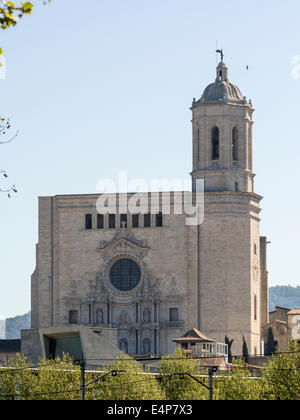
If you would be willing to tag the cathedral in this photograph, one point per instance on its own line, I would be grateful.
(152, 276)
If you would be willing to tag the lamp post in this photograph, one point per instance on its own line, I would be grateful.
(83, 385)
(211, 372)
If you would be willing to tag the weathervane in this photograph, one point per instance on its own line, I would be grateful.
(221, 52)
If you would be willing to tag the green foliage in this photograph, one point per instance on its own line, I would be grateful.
(229, 344)
(131, 383)
(56, 380)
(281, 379)
(245, 351)
(11, 11)
(53, 380)
(271, 343)
(237, 384)
(61, 380)
(186, 388)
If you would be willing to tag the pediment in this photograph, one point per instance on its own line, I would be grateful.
(124, 240)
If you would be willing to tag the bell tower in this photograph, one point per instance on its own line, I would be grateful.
(229, 274)
(222, 136)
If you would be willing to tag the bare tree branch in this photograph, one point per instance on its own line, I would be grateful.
(4, 127)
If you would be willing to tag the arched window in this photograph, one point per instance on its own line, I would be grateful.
(215, 142)
(235, 144)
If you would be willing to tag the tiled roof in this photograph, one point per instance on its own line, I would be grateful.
(295, 311)
(194, 335)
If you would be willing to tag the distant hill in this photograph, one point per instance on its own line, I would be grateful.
(284, 296)
(13, 326)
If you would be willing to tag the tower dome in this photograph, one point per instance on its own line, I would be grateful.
(222, 90)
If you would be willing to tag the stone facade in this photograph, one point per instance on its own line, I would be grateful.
(94, 346)
(294, 324)
(285, 325)
(212, 276)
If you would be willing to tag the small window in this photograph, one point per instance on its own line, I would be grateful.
(235, 145)
(255, 308)
(73, 317)
(236, 186)
(215, 143)
(159, 220)
(147, 220)
(184, 346)
(88, 221)
(100, 221)
(173, 314)
(108, 313)
(255, 249)
(135, 220)
(112, 221)
(136, 341)
(90, 314)
(123, 221)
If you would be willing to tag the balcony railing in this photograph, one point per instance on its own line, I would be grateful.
(171, 324)
(154, 324)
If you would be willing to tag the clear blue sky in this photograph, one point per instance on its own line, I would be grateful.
(101, 86)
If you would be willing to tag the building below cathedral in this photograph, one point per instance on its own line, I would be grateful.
(153, 276)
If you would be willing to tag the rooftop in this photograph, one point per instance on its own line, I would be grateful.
(222, 90)
(194, 335)
(295, 311)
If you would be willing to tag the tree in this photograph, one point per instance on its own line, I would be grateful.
(182, 388)
(245, 351)
(238, 384)
(130, 383)
(60, 380)
(281, 378)
(229, 344)
(11, 12)
(271, 343)
(52, 380)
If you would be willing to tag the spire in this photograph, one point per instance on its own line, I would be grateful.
(222, 70)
